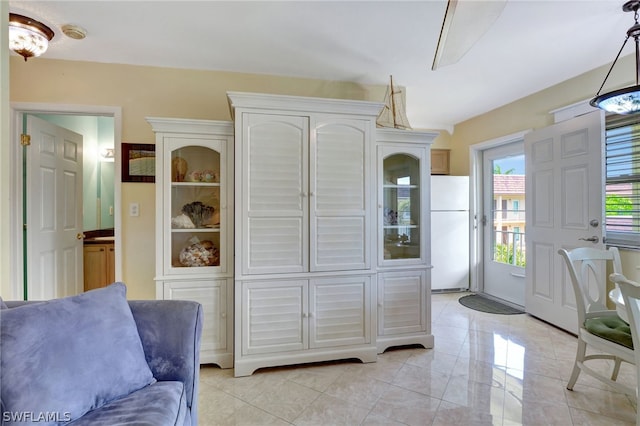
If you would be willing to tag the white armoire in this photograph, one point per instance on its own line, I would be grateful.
(194, 225)
(305, 268)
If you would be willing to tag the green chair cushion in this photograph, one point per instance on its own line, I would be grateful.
(611, 328)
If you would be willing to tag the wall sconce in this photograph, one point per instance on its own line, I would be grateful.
(28, 37)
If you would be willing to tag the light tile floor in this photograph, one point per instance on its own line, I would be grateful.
(484, 369)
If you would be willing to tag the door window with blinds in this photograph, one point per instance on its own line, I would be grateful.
(622, 191)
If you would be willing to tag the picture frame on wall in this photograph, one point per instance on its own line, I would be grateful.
(138, 162)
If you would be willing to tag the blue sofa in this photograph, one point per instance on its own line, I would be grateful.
(98, 359)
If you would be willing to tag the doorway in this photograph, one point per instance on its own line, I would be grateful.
(503, 219)
(490, 240)
(103, 166)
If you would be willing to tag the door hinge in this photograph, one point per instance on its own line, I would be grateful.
(25, 140)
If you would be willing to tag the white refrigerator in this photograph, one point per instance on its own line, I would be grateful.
(450, 232)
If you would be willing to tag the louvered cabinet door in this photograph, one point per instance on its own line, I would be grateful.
(402, 298)
(275, 193)
(217, 308)
(339, 193)
(339, 311)
(274, 316)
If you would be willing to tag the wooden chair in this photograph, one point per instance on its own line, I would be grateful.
(599, 328)
(631, 295)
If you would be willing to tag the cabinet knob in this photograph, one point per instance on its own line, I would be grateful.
(223, 315)
(304, 315)
(311, 194)
(303, 194)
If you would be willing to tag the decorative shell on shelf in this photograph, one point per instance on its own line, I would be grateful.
(198, 212)
(200, 253)
(390, 217)
(182, 221)
(209, 176)
(202, 176)
(194, 176)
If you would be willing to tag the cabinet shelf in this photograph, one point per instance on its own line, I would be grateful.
(187, 230)
(394, 186)
(189, 184)
(400, 226)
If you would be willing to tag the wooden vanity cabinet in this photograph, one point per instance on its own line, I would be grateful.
(99, 264)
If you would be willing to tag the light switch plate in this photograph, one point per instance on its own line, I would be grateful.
(134, 209)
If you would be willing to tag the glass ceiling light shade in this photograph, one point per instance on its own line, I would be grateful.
(28, 37)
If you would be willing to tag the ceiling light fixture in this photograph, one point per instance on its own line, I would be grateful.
(28, 37)
(626, 100)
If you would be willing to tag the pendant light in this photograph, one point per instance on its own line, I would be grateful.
(28, 37)
(626, 100)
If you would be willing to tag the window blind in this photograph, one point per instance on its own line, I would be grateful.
(622, 189)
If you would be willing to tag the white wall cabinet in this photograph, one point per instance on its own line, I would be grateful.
(194, 224)
(404, 258)
(305, 234)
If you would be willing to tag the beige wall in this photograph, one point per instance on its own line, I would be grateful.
(164, 92)
(532, 112)
(158, 92)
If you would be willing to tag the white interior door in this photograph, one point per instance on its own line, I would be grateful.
(504, 255)
(564, 187)
(54, 211)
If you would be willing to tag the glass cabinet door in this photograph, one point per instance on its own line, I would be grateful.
(401, 207)
(195, 207)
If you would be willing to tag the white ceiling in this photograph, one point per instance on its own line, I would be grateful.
(531, 46)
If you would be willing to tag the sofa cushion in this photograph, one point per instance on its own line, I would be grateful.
(70, 355)
(2, 304)
(162, 403)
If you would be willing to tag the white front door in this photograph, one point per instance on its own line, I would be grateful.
(54, 245)
(565, 210)
(504, 222)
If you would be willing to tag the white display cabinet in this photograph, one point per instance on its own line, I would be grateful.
(403, 245)
(194, 225)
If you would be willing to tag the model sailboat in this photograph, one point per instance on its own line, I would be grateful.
(393, 113)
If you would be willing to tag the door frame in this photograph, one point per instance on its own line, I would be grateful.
(476, 242)
(16, 243)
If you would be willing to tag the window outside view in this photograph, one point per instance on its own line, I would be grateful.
(622, 191)
(509, 211)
